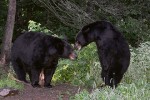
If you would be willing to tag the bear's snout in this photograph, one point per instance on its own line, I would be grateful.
(73, 56)
(77, 46)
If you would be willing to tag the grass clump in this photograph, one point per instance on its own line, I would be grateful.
(7, 81)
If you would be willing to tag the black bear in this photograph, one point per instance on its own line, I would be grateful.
(33, 52)
(113, 50)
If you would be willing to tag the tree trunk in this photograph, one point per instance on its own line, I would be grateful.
(7, 39)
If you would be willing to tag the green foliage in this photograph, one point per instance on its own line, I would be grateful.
(123, 92)
(134, 30)
(139, 65)
(64, 31)
(84, 71)
(135, 84)
(6, 80)
(34, 26)
(61, 31)
(131, 16)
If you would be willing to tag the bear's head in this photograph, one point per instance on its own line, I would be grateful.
(90, 33)
(66, 50)
(60, 48)
(83, 37)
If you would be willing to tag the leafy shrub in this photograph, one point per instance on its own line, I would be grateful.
(134, 30)
(123, 92)
(67, 32)
(61, 31)
(135, 84)
(84, 71)
(34, 26)
(139, 65)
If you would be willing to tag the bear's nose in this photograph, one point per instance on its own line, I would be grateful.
(73, 56)
(77, 46)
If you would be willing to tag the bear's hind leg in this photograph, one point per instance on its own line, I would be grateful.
(20, 72)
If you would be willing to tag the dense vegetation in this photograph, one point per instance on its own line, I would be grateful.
(135, 84)
(65, 18)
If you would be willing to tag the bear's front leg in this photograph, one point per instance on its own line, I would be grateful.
(34, 77)
(48, 76)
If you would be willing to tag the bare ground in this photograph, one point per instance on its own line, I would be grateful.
(57, 92)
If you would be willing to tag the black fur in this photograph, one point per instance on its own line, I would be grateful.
(113, 50)
(32, 52)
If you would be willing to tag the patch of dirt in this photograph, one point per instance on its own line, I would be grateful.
(57, 92)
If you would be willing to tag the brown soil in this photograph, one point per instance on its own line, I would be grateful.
(58, 92)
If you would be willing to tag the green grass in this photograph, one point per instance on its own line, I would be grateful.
(132, 91)
(7, 82)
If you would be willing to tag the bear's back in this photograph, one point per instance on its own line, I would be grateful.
(28, 37)
(24, 45)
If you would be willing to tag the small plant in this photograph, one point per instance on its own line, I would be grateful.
(7, 82)
(122, 92)
(34, 26)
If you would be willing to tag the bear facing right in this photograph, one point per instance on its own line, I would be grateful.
(34, 53)
(113, 49)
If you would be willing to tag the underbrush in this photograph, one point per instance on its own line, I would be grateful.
(85, 71)
(7, 81)
(139, 91)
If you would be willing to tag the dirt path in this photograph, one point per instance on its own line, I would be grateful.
(58, 92)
